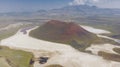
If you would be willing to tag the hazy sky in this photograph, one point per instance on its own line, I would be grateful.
(33, 5)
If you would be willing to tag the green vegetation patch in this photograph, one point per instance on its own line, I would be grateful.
(3, 62)
(105, 40)
(11, 31)
(16, 58)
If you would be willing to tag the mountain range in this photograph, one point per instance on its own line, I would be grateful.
(70, 10)
(86, 10)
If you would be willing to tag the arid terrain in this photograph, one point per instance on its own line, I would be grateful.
(71, 36)
(61, 52)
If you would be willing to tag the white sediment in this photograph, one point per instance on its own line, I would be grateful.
(95, 30)
(59, 53)
(95, 48)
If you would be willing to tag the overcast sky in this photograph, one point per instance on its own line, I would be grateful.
(33, 5)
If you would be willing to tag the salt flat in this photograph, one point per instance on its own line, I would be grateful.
(95, 48)
(62, 54)
(95, 30)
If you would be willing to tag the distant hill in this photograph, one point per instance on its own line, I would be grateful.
(64, 32)
(86, 10)
(70, 10)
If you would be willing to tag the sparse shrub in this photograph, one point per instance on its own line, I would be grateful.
(54, 65)
(109, 56)
(116, 50)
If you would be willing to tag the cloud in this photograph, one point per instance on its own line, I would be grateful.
(98, 3)
(82, 2)
(95, 0)
(77, 2)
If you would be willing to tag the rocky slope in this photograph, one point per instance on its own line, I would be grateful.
(65, 32)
